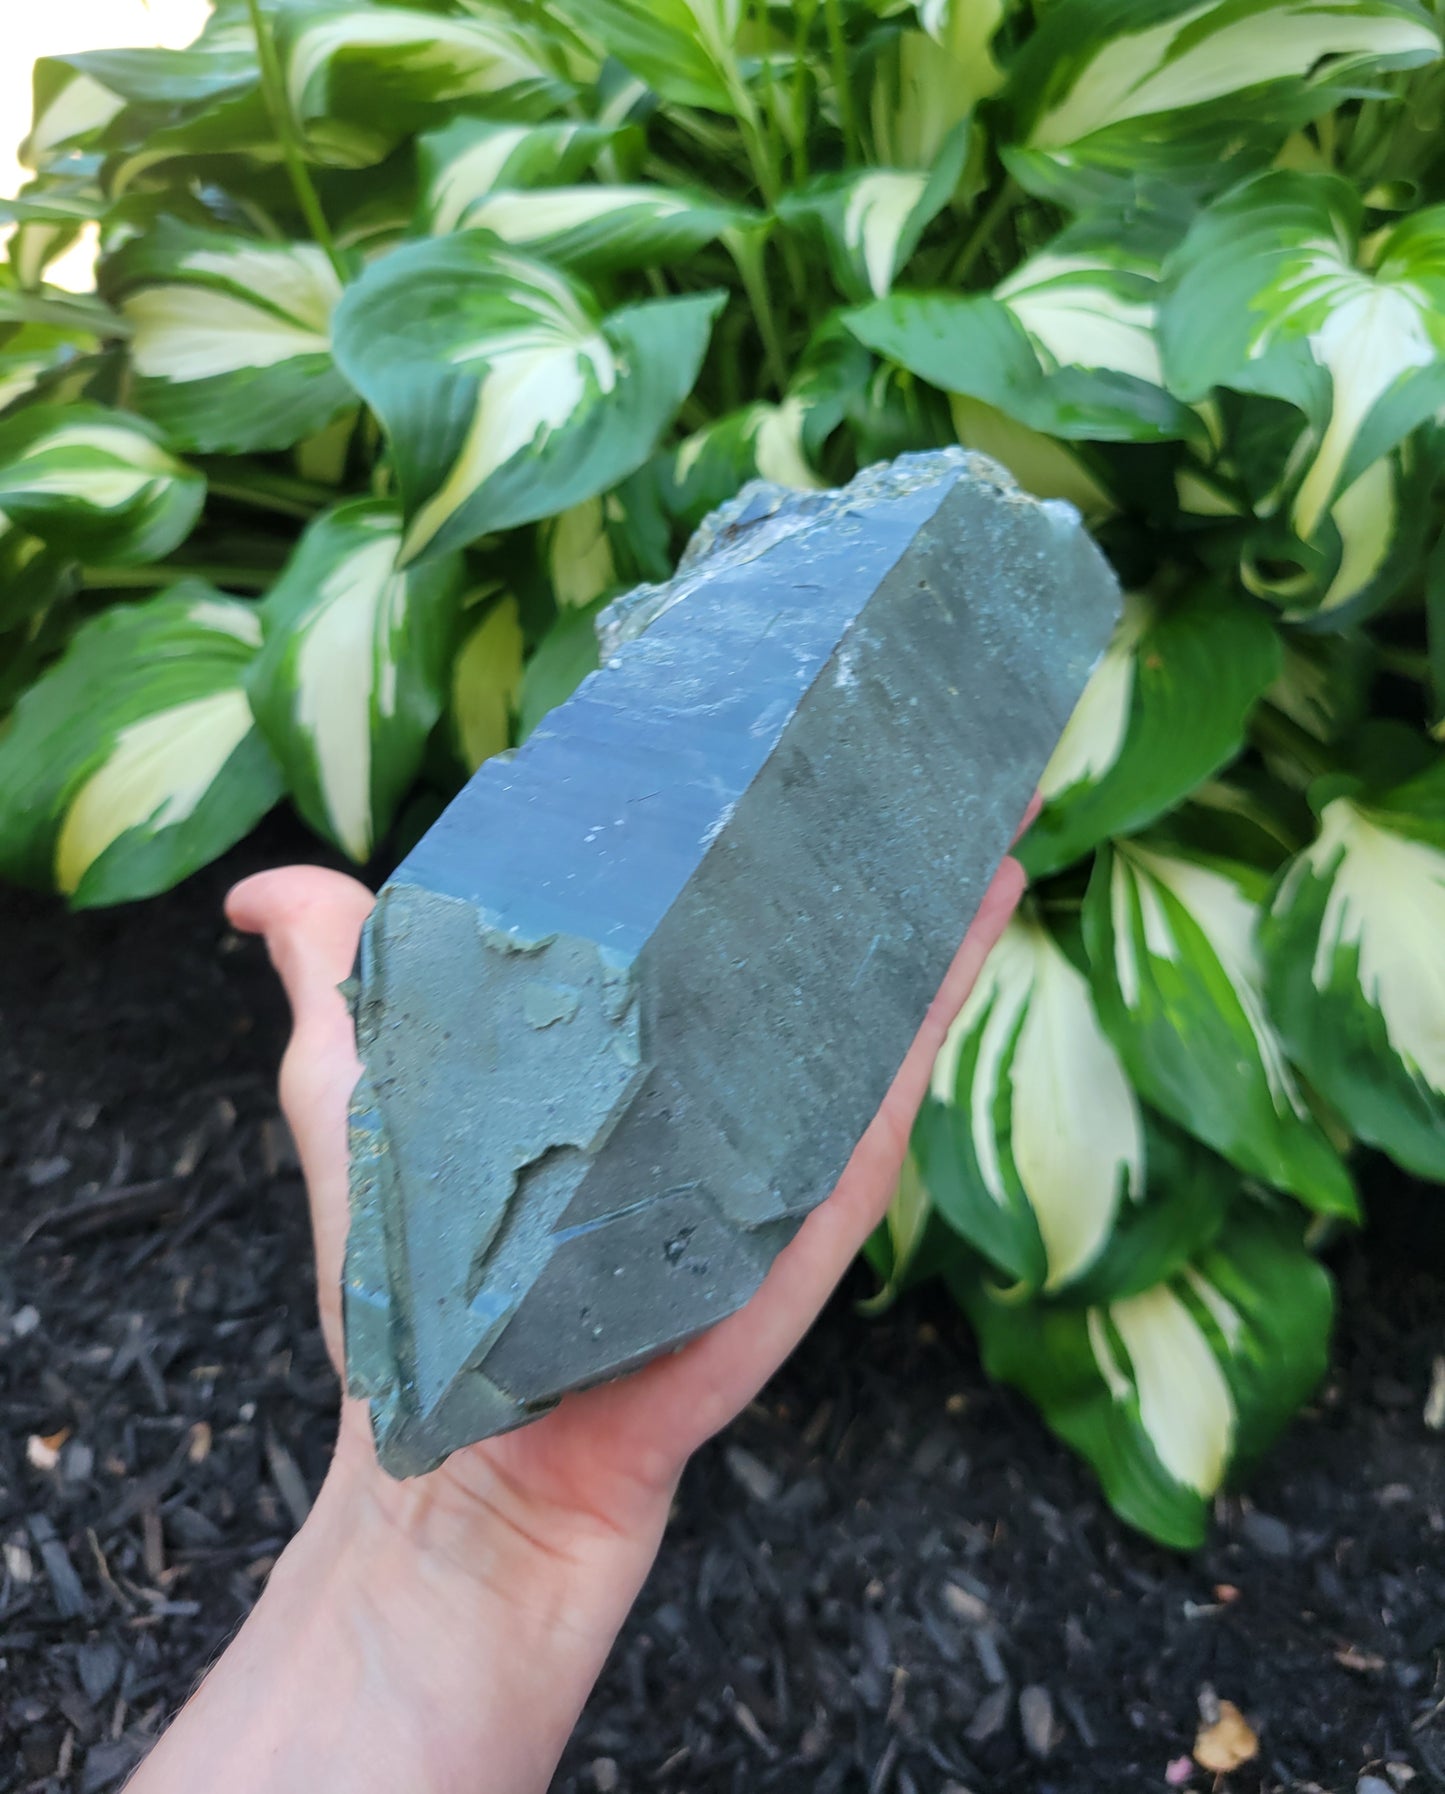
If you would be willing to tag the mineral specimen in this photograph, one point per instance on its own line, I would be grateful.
(628, 1007)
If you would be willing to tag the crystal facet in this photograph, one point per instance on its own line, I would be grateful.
(628, 1007)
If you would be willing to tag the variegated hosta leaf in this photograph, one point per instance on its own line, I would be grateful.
(34, 354)
(1041, 464)
(870, 220)
(518, 181)
(564, 657)
(467, 161)
(1170, 1391)
(685, 50)
(32, 579)
(230, 337)
(1323, 682)
(603, 229)
(762, 441)
(49, 214)
(388, 67)
(70, 111)
(96, 483)
(352, 675)
(506, 394)
(98, 97)
(1356, 970)
(487, 684)
(896, 1250)
(1108, 97)
(1178, 981)
(1065, 345)
(1034, 1138)
(926, 83)
(134, 760)
(577, 552)
(1274, 292)
(1165, 709)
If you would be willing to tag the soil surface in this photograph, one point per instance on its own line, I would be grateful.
(887, 1579)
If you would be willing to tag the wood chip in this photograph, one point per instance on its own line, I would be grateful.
(290, 1484)
(1363, 1663)
(1036, 1720)
(1228, 1743)
(1435, 1400)
(965, 1605)
(42, 1450)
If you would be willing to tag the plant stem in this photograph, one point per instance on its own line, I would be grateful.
(983, 232)
(772, 113)
(141, 579)
(1408, 663)
(804, 12)
(1272, 732)
(838, 49)
(266, 491)
(747, 253)
(273, 87)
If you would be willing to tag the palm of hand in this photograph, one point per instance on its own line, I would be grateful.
(602, 1465)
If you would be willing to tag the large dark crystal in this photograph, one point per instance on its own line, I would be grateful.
(627, 1009)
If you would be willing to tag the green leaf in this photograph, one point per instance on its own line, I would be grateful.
(487, 684)
(467, 161)
(1178, 982)
(1033, 1139)
(353, 673)
(506, 394)
(1165, 710)
(230, 337)
(1065, 345)
(135, 760)
(1115, 95)
(1170, 1391)
(1356, 974)
(96, 483)
(565, 656)
(683, 49)
(1273, 291)
(870, 220)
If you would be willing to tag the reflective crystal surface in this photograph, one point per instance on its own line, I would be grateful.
(628, 1007)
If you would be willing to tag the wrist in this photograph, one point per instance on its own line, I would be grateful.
(411, 1635)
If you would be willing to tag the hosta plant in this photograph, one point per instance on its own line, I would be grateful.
(421, 327)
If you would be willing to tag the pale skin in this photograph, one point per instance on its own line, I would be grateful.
(442, 1634)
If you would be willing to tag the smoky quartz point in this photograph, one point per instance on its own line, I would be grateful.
(626, 1010)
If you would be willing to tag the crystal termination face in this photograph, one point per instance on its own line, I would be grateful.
(627, 1009)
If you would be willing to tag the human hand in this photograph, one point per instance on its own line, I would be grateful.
(487, 1593)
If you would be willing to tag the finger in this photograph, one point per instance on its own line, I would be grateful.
(685, 1398)
(311, 920)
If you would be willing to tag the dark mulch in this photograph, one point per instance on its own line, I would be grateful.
(887, 1580)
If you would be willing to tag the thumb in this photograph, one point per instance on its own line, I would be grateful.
(311, 921)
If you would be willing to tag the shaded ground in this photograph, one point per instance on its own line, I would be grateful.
(887, 1580)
